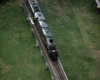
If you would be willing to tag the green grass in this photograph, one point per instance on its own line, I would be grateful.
(76, 33)
(75, 28)
(20, 58)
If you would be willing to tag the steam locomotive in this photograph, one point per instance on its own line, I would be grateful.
(43, 29)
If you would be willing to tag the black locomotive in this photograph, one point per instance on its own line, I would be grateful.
(42, 26)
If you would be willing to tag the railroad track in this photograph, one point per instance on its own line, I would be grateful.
(55, 68)
(58, 69)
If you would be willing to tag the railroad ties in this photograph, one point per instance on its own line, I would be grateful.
(55, 68)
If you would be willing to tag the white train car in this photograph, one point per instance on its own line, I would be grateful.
(98, 5)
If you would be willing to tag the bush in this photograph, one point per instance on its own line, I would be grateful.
(4, 1)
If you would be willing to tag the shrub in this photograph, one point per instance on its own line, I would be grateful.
(4, 1)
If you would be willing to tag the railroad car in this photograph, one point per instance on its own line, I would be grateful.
(98, 5)
(43, 29)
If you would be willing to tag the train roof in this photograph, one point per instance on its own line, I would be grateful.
(98, 3)
(46, 32)
(43, 24)
(39, 16)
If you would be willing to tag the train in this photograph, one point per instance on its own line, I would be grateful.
(43, 29)
(98, 5)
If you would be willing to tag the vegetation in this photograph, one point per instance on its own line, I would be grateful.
(75, 27)
(19, 58)
(4, 1)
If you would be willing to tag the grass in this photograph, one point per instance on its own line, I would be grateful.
(76, 33)
(20, 58)
(75, 29)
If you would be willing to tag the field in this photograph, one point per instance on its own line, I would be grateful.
(75, 28)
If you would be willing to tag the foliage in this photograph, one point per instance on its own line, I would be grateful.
(0, 62)
(4, 1)
(20, 58)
